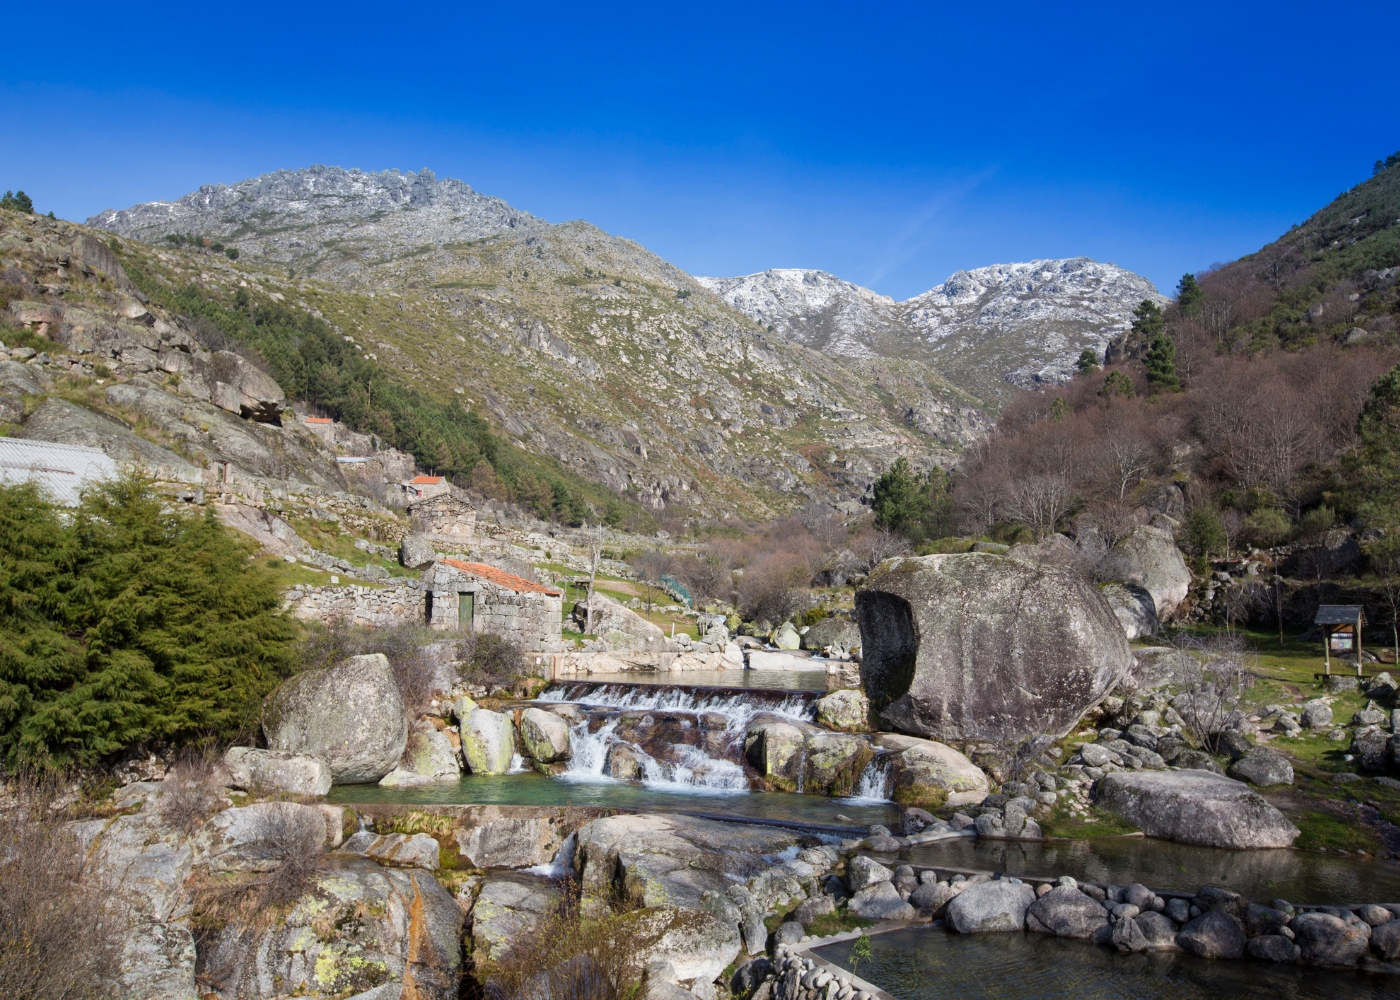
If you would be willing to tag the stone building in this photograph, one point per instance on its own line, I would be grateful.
(446, 521)
(473, 597)
(423, 487)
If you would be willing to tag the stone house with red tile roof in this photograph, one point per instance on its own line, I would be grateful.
(474, 597)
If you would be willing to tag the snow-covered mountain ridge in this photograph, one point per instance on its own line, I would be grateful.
(987, 328)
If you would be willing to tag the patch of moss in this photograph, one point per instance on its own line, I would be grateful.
(929, 797)
(1099, 823)
(1326, 830)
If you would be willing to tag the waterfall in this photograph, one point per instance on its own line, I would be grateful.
(693, 771)
(738, 706)
(873, 785)
(588, 752)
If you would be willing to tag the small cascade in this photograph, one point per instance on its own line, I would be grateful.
(588, 752)
(737, 704)
(874, 783)
(563, 863)
(517, 764)
(695, 771)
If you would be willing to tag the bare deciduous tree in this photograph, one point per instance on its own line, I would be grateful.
(595, 556)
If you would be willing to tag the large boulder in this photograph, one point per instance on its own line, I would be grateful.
(982, 646)
(770, 745)
(1147, 557)
(488, 741)
(991, 907)
(1195, 807)
(838, 633)
(276, 771)
(925, 773)
(618, 626)
(1134, 608)
(1066, 912)
(240, 387)
(350, 715)
(544, 735)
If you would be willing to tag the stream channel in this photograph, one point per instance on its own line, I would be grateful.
(686, 735)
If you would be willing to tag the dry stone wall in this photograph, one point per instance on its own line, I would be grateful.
(401, 604)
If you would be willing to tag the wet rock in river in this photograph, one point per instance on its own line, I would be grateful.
(1213, 935)
(1327, 940)
(991, 907)
(1195, 807)
(1066, 912)
(880, 901)
(488, 741)
(1273, 948)
(544, 736)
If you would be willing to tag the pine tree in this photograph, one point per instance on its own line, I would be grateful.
(1088, 362)
(1189, 295)
(917, 507)
(125, 623)
(17, 201)
(1374, 469)
(1160, 363)
(1117, 384)
(1148, 321)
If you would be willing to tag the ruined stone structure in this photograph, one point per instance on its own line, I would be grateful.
(474, 597)
(357, 605)
(446, 521)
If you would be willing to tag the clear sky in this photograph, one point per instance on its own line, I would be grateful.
(890, 144)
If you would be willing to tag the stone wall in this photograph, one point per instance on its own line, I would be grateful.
(401, 604)
(532, 619)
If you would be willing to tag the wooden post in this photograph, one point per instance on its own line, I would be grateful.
(1359, 616)
(1327, 649)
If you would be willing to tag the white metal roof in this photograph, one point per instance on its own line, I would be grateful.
(64, 470)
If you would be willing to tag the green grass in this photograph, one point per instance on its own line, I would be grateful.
(1061, 823)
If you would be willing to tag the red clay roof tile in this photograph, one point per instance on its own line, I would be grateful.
(501, 578)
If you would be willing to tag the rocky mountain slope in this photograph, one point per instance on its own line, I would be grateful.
(986, 330)
(584, 348)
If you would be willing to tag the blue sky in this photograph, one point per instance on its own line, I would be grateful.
(890, 144)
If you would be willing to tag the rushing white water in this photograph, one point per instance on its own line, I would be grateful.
(874, 783)
(687, 768)
(738, 707)
(693, 770)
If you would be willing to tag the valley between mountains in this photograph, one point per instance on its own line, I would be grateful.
(696, 397)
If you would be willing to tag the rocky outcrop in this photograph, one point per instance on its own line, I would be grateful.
(838, 634)
(234, 384)
(389, 926)
(1147, 557)
(68, 423)
(509, 907)
(276, 771)
(619, 627)
(350, 715)
(1195, 807)
(978, 645)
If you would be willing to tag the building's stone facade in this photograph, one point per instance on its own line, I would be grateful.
(446, 521)
(501, 603)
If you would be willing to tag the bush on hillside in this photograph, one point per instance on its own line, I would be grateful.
(17, 201)
(127, 622)
(916, 506)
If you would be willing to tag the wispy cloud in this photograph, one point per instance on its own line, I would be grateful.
(906, 243)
